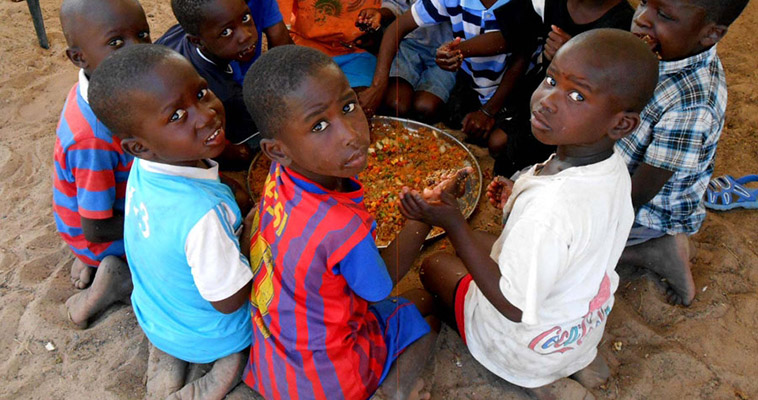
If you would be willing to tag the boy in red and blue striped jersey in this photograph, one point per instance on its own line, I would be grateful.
(324, 325)
(90, 167)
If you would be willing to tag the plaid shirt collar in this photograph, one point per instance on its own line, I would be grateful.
(672, 67)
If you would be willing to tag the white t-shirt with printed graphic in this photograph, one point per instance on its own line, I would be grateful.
(563, 236)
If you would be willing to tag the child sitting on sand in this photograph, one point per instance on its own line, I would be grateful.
(90, 166)
(182, 225)
(542, 291)
(320, 307)
(671, 154)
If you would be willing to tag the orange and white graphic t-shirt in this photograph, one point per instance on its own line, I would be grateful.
(326, 25)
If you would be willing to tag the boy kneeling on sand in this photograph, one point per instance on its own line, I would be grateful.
(532, 304)
(181, 225)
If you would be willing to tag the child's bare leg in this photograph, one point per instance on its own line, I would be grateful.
(403, 381)
(593, 375)
(220, 380)
(562, 389)
(81, 274)
(669, 257)
(112, 283)
(165, 374)
(496, 142)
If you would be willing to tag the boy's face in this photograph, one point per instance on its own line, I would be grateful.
(227, 31)
(180, 121)
(573, 106)
(326, 136)
(675, 29)
(110, 26)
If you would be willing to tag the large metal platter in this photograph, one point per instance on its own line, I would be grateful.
(474, 183)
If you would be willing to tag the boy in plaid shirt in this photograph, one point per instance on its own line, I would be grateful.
(671, 154)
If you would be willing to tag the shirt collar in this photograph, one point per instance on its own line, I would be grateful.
(83, 85)
(228, 68)
(210, 173)
(669, 67)
(477, 4)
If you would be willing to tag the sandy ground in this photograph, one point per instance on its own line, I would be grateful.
(656, 351)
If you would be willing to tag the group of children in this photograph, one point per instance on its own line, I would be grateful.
(294, 298)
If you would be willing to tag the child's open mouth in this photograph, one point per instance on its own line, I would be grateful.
(247, 52)
(651, 42)
(216, 134)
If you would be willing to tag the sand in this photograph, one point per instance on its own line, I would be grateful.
(656, 351)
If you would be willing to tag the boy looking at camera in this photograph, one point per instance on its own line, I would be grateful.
(90, 166)
(181, 225)
(531, 305)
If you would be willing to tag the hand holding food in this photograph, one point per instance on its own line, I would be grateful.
(449, 57)
(369, 20)
(498, 191)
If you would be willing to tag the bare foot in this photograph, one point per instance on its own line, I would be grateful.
(562, 389)
(165, 374)
(112, 283)
(220, 380)
(669, 257)
(593, 375)
(81, 274)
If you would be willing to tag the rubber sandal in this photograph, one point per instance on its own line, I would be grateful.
(726, 193)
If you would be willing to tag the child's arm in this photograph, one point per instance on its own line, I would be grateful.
(480, 265)
(278, 35)
(104, 230)
(371, 19)
(647, 181)
(401, 253)
(371, 97)
(451, 54)
(479, 122)
(555, 39)
(233, 303)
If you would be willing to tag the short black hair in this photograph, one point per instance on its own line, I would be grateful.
(119, 74)
(625, 65)
(72, 10)
(189, 14)
(275, 75)
(722, 12)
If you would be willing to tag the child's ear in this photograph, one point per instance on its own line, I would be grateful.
(713, 33)
(76, 57)
(626, 123)
(274, 149)
(136, 148)
(195, 40)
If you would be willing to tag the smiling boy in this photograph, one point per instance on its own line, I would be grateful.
(90, 166)
(531, 305)
(213, 34)
(181, 225)
(671, 154)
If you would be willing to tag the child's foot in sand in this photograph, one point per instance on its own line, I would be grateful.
(81, 274)
(166, 376)
(418, 393)
(112, 283)
(593, 375)
(562, 389)
(669, 257)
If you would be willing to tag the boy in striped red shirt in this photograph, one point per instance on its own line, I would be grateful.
(324, 325)
(90, 166)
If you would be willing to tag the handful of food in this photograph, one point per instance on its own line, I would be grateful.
(424, 159)
(651, 42)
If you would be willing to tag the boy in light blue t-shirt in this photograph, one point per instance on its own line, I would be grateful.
(181, 224)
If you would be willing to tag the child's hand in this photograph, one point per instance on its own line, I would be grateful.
(555, 39)
(449, 57)
(369, 20)
(443, 213)
(452, 183)
(477, 124)
(498, 191)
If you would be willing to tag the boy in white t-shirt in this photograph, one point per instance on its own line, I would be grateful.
(541, 292)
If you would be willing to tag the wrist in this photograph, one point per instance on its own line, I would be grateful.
(486, 113)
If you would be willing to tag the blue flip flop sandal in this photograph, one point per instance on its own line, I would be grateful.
(726, 193)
